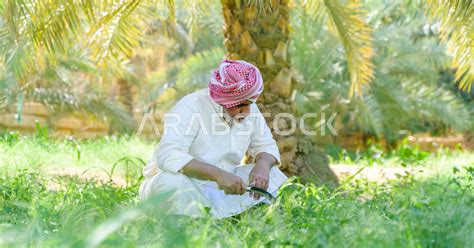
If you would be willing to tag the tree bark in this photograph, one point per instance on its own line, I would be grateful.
(261, 36)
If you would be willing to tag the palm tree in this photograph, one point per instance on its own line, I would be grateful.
(259, 32)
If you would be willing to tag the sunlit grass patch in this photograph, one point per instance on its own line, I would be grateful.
(20, 152)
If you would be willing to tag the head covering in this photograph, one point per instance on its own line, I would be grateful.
(234, 82)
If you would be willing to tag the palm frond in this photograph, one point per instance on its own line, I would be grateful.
(18, 57)
(457, 31)
(195, 71)
(89, 102)
(391, 104)
(356, 37)
(204, 20)
(64, 87)
(404, 94)
(47, 24)
(368, 116)
(437, 107)
(115, 35)
(315, 8)
(310, 45)
(263, 6)
(49, 28)
(421, 60)
(63, 100)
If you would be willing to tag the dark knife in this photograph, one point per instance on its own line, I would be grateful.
(261, 192)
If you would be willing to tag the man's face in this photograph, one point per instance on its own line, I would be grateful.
(240, 111)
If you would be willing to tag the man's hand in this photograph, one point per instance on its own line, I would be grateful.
(231, 184)
(260, 174)
(259, 177)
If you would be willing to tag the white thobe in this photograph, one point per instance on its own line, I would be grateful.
(197, 128)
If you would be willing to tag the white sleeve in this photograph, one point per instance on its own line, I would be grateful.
(262, 140)
(173, 151)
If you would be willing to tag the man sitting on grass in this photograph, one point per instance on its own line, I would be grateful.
(206, 136)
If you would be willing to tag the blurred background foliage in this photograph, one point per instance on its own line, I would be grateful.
(413, 89)
(115, 61)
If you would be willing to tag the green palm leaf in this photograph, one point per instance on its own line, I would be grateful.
(457, 31)
(195, 71)
(109, 30)
(356, 37)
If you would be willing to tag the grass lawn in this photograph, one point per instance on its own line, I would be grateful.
(43, 205)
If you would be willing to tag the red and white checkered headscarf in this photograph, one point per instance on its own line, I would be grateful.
(234, 82)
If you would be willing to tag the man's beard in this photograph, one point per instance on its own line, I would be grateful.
(240, 119)
(235, 119)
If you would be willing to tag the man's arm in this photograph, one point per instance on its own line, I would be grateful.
(230, 183)
(172, 153)
(265, 150)
(201, 170)
(265, 159)
(262, 141)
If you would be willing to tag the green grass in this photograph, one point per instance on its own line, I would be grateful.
(405, 155)
(36, 153)
(39, 209)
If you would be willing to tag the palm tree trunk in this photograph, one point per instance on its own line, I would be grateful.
(261, 35)
(125, 94)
